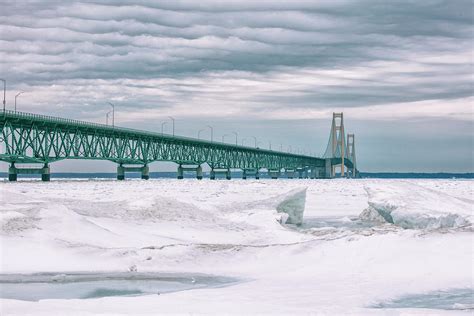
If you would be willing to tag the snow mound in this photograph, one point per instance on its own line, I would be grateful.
(288, 207)
(414, 207)
(154, 208)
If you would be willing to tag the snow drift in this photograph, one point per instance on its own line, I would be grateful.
(414, 207)
(290, 206)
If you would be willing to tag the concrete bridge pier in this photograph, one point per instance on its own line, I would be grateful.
(317, 173)
(144, 170)
(45, 173)
(13, 172)
(302, 173)
(290, 173)
(197, 169)
(274, 173)
(250, 172)
(328, 169)
(225, 171)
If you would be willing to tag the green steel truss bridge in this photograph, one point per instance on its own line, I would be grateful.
(27, 138)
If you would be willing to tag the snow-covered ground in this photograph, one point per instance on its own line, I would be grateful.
(362, 243)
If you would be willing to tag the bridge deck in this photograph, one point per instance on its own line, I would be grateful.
(27, 137)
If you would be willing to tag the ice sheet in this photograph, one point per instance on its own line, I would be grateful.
(208, 227)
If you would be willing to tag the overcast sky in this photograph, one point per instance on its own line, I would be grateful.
(401, 71)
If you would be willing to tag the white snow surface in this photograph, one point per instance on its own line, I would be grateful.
(233, 228)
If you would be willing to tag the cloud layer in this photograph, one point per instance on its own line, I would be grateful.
(242, 60)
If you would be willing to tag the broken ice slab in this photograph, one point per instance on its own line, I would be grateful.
(293, 204)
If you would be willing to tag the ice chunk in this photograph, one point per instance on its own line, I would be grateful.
(293, 204)
(411, 206)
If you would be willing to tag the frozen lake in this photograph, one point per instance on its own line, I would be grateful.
(379, 244)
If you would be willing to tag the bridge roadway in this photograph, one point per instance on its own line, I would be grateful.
(27, 138)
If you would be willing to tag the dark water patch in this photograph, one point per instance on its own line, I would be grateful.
(336, 222)
(453, 299)
(34, 287)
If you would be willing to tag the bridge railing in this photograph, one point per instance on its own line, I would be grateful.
(53, 119)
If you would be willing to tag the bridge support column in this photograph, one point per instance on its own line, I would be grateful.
(197, 169)
(45, 173)
(274, 173)
(216, 171)
(180, 172)
(328, 170)
(199, 173)
(12, 173)
(120, 172)
(290, 173)
(145, 172)
(250, 172)
(302, 173)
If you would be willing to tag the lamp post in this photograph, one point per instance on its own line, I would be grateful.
(4, 92)
(243, 139)
(199, 133)
(172, 119)
(113, 113)
(16, 96)
(255, 139)
(107, 117)
(236, 137)
(212, 132)
(162, 127)
(269, 145)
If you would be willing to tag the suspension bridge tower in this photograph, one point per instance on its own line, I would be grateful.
(351, 153)
(337, 143)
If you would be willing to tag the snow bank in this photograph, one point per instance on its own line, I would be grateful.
(414, 207)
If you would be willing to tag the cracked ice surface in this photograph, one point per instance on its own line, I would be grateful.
(233, 229)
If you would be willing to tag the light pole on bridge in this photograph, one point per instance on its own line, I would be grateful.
(16, 96)
(162, 127)
(113, 113)
(243, 139)
(172, 119)
(212, 132)
(223, 137)
(4, 93)
(107, 117)
(199, 133)
(236, 137)
(255, 139)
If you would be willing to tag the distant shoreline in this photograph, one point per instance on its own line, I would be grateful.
(237, 175)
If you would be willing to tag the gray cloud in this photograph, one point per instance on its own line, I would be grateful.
(249, 60)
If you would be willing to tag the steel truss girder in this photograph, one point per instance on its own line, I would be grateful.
(27, 137)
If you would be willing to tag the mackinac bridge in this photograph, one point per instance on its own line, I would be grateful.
(27, 138)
